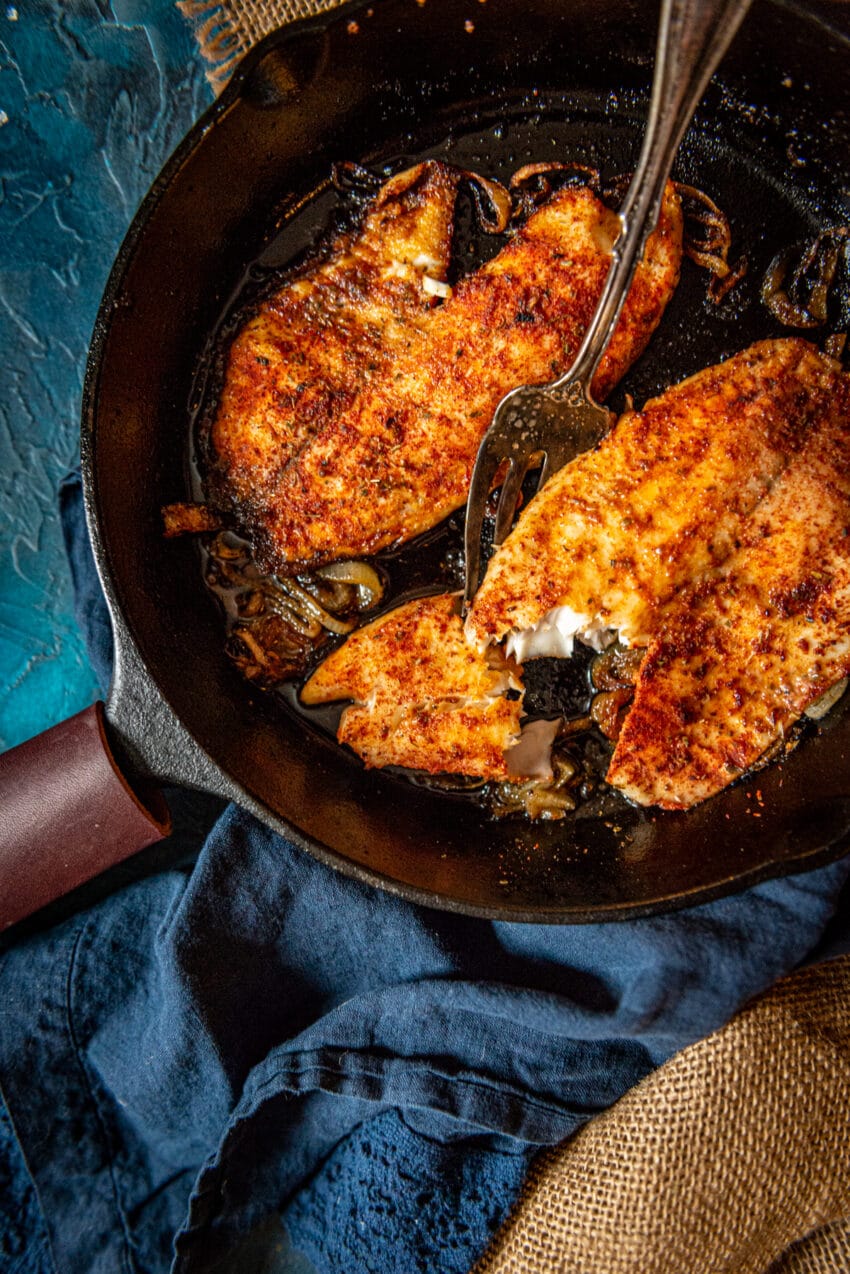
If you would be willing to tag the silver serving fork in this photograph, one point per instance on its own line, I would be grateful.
(561, 419)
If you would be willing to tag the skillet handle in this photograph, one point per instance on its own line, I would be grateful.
(67, 813)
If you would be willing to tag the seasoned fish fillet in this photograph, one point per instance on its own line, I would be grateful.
(352, 413)
(422, 697)
(664, 498)
(744, 652)
(308, 351)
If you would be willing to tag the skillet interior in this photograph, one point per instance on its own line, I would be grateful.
(529, 81)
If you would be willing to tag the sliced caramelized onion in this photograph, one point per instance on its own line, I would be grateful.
(575, 725)
(529, 173)
(708, 233)
(290, 611)
(719, 287)
(248, 639)
(336, 597)
(708, 238)
(308, 606)
(539, 798)
(265, 652)
(775, 296)
(250, 604)
(347, 176)
(616, 667)
(493, 204)
(709, 244)
(276, 624)
(614, 191)
(532, 184)
(365, 578)
(227, 547)
(797, 284)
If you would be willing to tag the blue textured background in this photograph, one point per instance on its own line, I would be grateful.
(93, 98)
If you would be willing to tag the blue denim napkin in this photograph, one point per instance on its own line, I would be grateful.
(247, 1062)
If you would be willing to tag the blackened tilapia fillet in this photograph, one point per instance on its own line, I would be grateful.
(422, 697)
(742, 653)
(352, 412)
(665, 497)
(310, 349)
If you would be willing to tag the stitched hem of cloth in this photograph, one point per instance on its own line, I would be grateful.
(226, 29)
(380, 1084)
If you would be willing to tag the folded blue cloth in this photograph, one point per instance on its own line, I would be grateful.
(255, 1063)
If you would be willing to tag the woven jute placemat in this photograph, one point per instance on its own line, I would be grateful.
(734, 1157)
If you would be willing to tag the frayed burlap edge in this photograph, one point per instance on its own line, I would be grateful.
(733, 1158)
(225, 29)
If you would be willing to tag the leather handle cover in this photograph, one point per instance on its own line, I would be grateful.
(67, 813)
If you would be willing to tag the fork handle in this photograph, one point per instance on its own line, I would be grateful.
(693, 36)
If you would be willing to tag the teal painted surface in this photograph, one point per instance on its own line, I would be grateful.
(94, 96)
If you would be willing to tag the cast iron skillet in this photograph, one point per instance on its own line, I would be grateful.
(491, 86)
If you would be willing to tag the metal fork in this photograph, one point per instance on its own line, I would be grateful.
(561, 419)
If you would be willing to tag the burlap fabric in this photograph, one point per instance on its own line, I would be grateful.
(227, 30)
(734, 1157)
(722, 1160)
